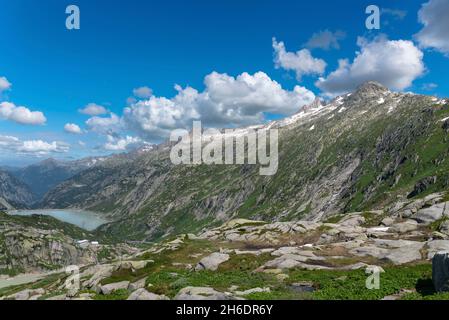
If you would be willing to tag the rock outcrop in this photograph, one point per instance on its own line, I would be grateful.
(212, 261)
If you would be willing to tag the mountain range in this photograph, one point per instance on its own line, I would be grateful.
(361, 151)
(13, 192)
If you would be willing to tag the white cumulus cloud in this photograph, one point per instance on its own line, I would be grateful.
(226, 101)
(7, 142)
(72, 128)
(301, 62)
(394, 63)
(104, 125)
(121, 144)
(434, 15)
(21, 115)
(31, 147)
(93, 109)
(42, 147)
(4, 84)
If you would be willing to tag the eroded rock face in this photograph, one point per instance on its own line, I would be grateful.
(34, 249)
(440, 271)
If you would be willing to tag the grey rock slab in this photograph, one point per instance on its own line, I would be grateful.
(202, 293)
(27, 294)
(352, 220)
(388, 221)
(251, 291)
(97, 273)
(404, 227)
(435, 246)
(139, 284)
(290, 261)
(142, 294)
(293, 250)
(433, 213)
(111, 287)
(395, 251)
(212, 261)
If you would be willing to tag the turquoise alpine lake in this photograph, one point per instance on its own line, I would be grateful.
(84, 219)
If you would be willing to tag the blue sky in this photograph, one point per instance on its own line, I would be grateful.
(123, 45)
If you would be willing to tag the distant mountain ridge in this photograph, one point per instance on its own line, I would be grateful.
(14, 193)
(45, 175)
(360, 151)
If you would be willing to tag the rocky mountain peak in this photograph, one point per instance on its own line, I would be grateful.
(370, 89)
(315, 104)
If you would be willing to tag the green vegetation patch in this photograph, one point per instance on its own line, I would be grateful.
(351, 285)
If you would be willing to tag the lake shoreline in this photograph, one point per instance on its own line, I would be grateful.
(87, 220)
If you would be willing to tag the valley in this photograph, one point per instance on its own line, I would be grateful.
(362, 182)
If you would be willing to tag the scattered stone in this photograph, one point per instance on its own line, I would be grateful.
(398, 295)
(233, 288)
(293, 250)
(97, 273)
(395, 251)
(403, 227)
(202, 293)
(21, 295)
(388, 221)
(433, 213)
(139, 284)
(110, 288)
(289, 261)
(251, 291)
(212, 261)
(282, 276)
(273, 271)
(374, 269)
(133, 265)
(142, 294)
(303, 286)
(27, 294)
(356, 266)
(254, 252)
(352, 220)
